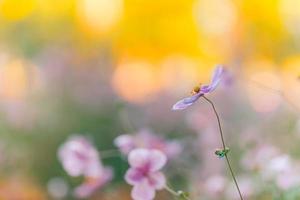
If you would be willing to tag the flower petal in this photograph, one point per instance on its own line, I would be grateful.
(125, 143)
(143, 191)
(134, 176)
(216, 78)
(139, 158)
(91, 184)
(206, 89)
(76, 155)
(186, 102)
(157, 180)
(157, 160)
(84, 190)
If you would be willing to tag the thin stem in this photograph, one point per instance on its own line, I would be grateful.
(109, 153)
(173, 192)
(224, 146)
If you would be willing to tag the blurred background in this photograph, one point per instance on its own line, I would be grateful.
(102, 68)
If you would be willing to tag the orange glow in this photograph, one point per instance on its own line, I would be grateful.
(15, 80)
(136, 81)
(20, 188)
(216, 17)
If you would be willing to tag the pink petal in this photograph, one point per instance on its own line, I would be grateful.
(157, 160)
(93, 169)
(90, 185)
(143, 191)
(157, 180)
(216, 78)
(84, 190)
(76, 154)
(147, 159)
(186, 102)
(125, 143)
(218, 72)
(139, 158)
(134, 176)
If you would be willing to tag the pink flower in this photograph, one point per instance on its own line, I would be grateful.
(80, 158)
(144, 173)
(288, 179)
(91, 184)
(147, 139)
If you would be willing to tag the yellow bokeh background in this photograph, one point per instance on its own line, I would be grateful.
(147, 38)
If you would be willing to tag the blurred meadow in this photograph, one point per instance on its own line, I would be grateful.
(103, 68)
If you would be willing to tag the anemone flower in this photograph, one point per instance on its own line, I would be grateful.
(201, 90)
(80, 158)
(144, 173)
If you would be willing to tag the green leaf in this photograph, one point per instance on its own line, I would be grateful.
(222, 152)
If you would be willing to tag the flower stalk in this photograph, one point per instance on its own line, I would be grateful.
(180, 194)
(224, 146)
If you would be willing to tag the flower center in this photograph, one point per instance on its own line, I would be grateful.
(196, 90)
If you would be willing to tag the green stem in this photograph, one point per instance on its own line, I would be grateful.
(109, 153)
(224, 146)
(176, 194)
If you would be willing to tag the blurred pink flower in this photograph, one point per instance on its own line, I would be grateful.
(279, 164)
(125, 143)
(91, 184)
(144, 173)
(259, 157)
(147, 139)
(273, 165)
(288, 179)
(80, 158)
(284, 171)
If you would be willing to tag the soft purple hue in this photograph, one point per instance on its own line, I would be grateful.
(80, 158)
(147, 139)
(91, 184)
(144, 173)
(125, 143)
(204, 89)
